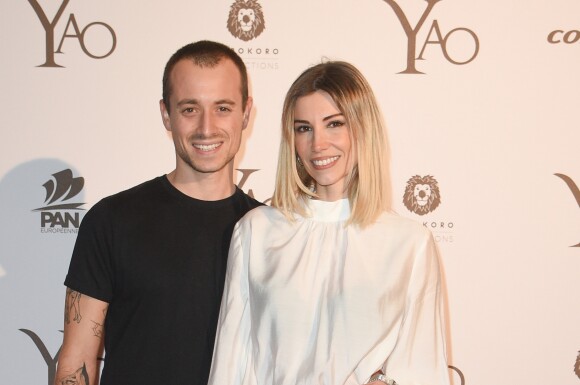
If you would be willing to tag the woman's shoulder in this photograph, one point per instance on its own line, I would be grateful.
(261, 215)
(264, 222)
(393, 222)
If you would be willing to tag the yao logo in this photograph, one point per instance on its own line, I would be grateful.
(573, 188)
(246, 19)
(72, 31)
(440, 38)
(422, 194)
(78, 377)
(48, 359)
(246, 172)
(456, 372)
(60, 190)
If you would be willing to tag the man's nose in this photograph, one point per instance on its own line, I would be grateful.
(206, 125)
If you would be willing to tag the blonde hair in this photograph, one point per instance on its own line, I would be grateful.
(368, 187)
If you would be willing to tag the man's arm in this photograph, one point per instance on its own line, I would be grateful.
(84, 318)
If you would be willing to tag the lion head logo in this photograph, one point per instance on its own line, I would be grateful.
(422, 194)
(577, 365)
(246, 20)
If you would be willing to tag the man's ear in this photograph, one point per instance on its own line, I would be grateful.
(247, 112)
(164, 115)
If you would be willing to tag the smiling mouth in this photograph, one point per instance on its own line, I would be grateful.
(324, 162)
(207, 147)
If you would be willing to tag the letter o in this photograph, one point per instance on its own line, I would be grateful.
(475, 39)
(82, 40)
(571, 36)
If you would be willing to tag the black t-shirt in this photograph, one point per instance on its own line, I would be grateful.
(158, 257)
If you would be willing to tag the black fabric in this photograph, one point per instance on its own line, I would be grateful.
(158, 257)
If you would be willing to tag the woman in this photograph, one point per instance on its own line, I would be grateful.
(328, 287)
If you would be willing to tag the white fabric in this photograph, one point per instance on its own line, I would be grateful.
(317, 302)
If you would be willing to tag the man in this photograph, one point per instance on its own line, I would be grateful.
(147, 271)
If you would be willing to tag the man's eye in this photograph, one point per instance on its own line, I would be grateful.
(223, 109)
(188, 110)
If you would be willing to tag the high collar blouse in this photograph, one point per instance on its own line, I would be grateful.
(315, 301)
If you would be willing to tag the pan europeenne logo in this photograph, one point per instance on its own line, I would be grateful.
(60, 190)
(422, 194)
(246, 19)
(573, 188)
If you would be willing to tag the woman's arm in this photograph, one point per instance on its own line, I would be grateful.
(420, 357)
(233, 344)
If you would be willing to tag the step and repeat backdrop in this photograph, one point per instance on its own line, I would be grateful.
(481, 100)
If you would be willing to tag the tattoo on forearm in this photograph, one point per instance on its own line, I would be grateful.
(97, 329)
(80, 377)
(72, 305)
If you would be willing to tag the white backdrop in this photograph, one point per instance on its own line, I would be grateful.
(493, 132)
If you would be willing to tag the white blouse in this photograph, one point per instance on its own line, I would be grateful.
(320, 303)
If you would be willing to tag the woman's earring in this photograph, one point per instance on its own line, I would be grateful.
(299, 161)
(312, 187)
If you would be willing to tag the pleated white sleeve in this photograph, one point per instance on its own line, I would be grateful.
(419, 356)
(232, 352)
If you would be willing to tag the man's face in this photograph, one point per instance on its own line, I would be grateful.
(206, 117)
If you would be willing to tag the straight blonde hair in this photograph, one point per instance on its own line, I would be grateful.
(368, 185)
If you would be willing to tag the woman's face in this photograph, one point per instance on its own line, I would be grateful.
(323, 144)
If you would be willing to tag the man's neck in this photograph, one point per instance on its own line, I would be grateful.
(203, 186)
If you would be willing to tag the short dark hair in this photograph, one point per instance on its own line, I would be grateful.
(204, 53)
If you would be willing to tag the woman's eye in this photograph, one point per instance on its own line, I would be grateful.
(336, 123)
(302, 128)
